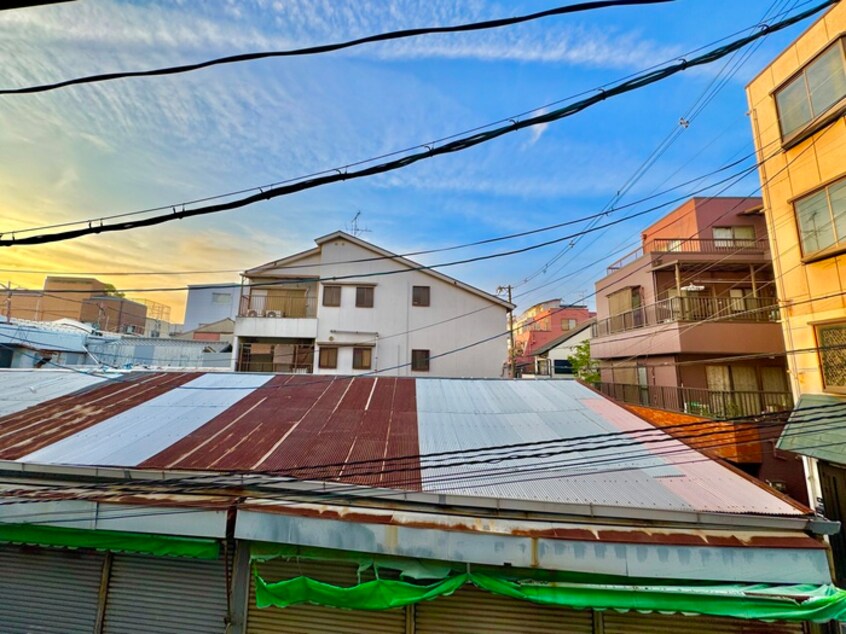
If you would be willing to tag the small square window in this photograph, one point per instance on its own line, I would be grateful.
(328, 358)
(361, 358)
(331, 295)
(364, 296)
(221, 298)
(419, 295)
(420, 360)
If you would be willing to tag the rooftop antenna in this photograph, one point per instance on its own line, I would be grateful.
(353, 227)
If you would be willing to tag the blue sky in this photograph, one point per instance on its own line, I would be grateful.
(108, 148)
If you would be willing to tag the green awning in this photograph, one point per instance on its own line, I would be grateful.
(763, 602)
(424, 580)
(116, 541)
(817, 428)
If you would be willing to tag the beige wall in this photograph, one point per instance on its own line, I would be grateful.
(794, 172)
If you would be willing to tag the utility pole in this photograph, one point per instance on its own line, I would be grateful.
(512, 352)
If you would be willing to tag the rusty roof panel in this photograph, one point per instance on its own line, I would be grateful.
(63, 417)
(20, 390)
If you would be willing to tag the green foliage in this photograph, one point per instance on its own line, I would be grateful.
(112, 291)
(584, 367)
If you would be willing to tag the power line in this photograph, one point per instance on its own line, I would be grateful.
(456, 145)
(328, 48)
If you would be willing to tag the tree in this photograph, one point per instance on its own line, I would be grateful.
(112, 291)
(584, 367)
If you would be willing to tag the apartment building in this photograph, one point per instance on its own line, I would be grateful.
(83, 299)
(539, 325)
(678, 318)
(797, 106)
(349, 307)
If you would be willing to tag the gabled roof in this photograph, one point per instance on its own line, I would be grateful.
(293, 259)
(565, 337)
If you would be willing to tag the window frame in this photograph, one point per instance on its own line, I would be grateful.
(415, 301)
(363, 290)
(360, 366)
(840, 245)
(819, 121)
(326, 287)
(320, 362)
(834, 389)
(416, 364)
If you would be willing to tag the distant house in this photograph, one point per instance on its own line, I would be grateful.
(539, 325)
(348, 307)
(84, 299)
(210, 303)
(553, 358)
(221, 330)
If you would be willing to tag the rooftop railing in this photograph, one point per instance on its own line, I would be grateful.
(723, 246)
(760, 309)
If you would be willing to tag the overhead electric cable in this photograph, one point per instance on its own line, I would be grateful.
(328, 48)
(450, 147)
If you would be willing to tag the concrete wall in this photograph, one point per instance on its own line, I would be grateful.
(205, 305)
(791, 173)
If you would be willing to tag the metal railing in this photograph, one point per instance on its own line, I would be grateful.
(722, 246)
(760, 309)
(699, 401)
(278, 306)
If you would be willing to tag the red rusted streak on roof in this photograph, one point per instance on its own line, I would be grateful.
(27, 431)
(234, 434)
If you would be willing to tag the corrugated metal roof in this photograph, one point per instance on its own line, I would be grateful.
(322, 427)
(20, 389)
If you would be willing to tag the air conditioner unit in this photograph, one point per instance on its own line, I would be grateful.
(252, 313)
(271, 313)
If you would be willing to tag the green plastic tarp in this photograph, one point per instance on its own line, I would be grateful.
(763, 602)
(116, 541)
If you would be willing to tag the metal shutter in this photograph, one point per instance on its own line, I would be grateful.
(637, 623)
(315, 619)
(48, 591)
(151, 595)
(474, 611)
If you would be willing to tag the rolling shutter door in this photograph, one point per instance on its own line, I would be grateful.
(474, 611)
(151, 595)
(49, 591)
(636, 623)
(315, 619)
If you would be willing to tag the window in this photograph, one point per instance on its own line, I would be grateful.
(331, 295)
(831, 339)
(734, 237)
(328, 358)
(420, 360)
(419, 295)
(361, 358)
(813, 93)
(364, 296)
(821, 217)
(221, 298)
(568, 324)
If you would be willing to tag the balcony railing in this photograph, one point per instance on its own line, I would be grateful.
(699, 401)
(278, 306)
(723, 246)
(760, 309)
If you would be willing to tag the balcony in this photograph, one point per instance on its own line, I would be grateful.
(723, 247)
(698, 401)
(277, 316)
(675, 309)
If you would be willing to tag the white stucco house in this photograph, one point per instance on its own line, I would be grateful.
(351, 307)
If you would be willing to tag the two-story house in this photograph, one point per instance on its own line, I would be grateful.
(683, 320)
(541, 324)
(350, 307)
(797, 106)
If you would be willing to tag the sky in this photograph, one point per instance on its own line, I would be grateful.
(88, 151)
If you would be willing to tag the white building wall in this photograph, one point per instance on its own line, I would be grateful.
(204, 305)
(394, 327)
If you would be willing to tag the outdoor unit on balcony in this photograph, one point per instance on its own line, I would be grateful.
(252, 313)
(271, 313)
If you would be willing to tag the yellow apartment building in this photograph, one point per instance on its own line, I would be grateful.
(797, 106)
